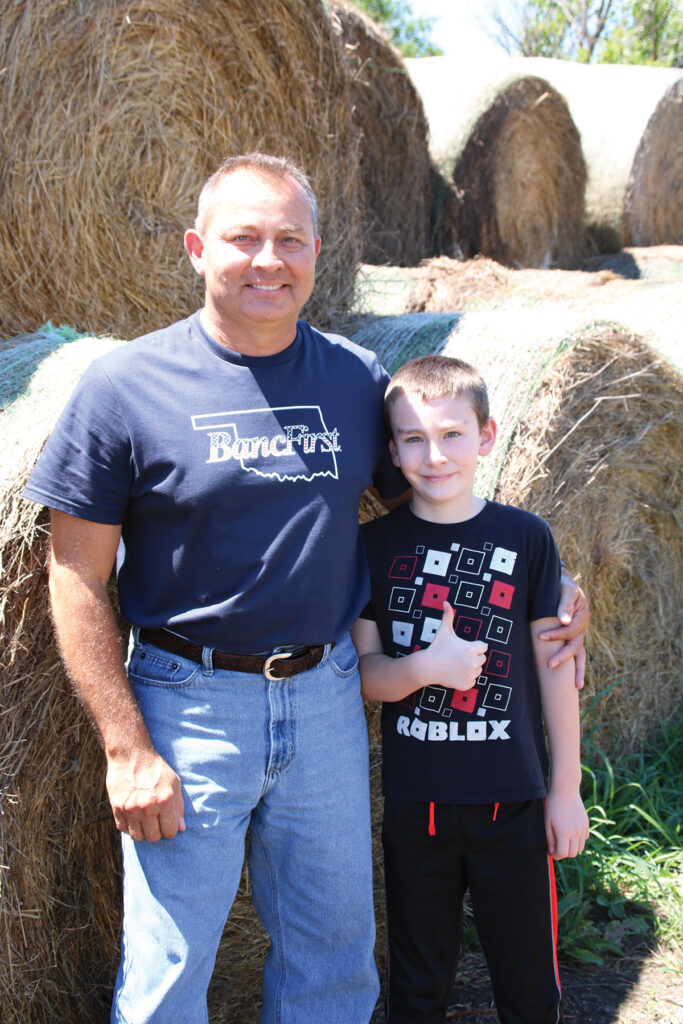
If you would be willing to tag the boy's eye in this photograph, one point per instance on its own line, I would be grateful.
(412, 440)
(453, 433)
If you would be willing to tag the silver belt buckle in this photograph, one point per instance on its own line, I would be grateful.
(269, 661)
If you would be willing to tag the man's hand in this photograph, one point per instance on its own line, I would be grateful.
(146, 798)
(451, 661)
(574, 615)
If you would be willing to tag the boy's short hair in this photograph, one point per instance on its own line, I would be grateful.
(433, 377)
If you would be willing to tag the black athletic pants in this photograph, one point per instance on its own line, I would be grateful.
(432, 855)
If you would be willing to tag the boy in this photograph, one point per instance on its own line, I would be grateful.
(462, 589)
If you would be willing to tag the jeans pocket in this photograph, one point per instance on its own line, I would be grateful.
(150, 666)
(343, 659)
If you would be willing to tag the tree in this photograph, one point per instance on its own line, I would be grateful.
(650, 33)
(617, 31)
(408, 34)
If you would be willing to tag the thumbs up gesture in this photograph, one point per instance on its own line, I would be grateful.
(451, 661)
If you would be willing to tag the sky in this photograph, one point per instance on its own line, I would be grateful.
(458, 25)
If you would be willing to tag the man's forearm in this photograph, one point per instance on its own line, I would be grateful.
(90, 645)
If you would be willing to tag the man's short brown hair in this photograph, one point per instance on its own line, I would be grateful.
(433, 377)
(269, 167)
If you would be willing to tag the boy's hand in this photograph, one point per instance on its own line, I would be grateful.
(566, 824)
(451, 661)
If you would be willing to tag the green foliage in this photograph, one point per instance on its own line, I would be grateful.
(628, 879)
(408, 34)
(650, 32)
(616, 31)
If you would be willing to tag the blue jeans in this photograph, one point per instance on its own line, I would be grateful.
(287, 760)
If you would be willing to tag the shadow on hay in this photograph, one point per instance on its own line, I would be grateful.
(622, 263)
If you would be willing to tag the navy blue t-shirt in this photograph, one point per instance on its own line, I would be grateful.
(236, 480)
(500, 570)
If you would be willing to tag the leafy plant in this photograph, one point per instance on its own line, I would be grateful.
(628, 879)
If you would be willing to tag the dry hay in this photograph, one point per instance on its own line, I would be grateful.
(653, 204)
(641, 289)
(611, 106)
(520, 179)
(395, 163)
(505, 140)
(591, 438)
(57, 844)
(113, 115)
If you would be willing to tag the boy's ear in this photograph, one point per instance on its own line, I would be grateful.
(394, 453)
(487, 437)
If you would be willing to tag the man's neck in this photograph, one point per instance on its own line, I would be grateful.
(258, 340)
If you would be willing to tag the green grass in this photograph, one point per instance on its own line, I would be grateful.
(629, 879)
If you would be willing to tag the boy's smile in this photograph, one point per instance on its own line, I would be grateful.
(437, 445)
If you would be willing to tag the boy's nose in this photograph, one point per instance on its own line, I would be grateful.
(434, 453)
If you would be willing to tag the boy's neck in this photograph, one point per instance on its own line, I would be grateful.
(449, 512)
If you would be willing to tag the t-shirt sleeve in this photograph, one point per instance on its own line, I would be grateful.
(387, 478)
(85, 468)
(544, 574)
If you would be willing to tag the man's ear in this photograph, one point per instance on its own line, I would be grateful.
(394, 453)
(487, 437)
(195, 249)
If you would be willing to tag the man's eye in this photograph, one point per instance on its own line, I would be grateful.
(453, 433)
(413, 440)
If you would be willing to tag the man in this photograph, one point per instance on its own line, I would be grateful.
(220, 462)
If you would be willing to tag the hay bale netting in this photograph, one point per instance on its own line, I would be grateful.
(611, 105)
(653, 204)
(591, 438)
(395, 163)
(58, 847)
(113, 115)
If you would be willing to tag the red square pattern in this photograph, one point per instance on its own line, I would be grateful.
(403, 567)
(501, 594)
(468, 628)
(464, 700)
(498, 664)
(434, 596)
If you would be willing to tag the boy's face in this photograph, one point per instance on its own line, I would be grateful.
(436, 445)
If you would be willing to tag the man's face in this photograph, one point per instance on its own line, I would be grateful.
(257, 253)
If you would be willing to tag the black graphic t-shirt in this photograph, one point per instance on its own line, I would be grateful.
(236, 480)
(500, 570)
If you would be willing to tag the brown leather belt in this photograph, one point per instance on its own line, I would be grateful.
(278, 665)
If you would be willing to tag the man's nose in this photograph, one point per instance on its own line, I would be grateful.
(266, 255)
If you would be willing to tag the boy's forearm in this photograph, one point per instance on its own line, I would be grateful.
(389, 679)
(560, 707)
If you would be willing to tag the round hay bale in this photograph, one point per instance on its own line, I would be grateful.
(395, 163)
(520, 180)
(114, 114)
(642, 290)
(591, 438)
(505, 140)
(58, 846)
(653, 204)
(611, 105)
